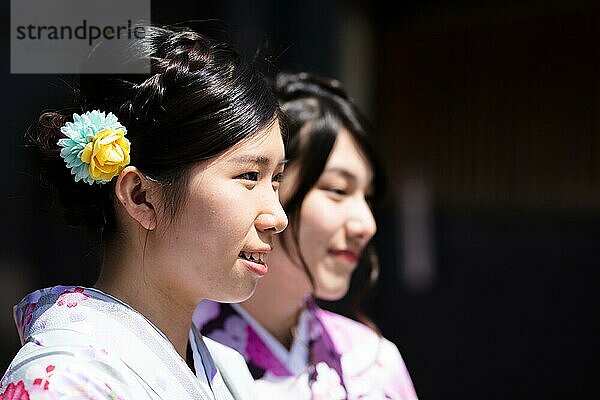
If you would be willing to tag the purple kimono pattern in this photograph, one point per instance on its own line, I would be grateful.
(346, 359)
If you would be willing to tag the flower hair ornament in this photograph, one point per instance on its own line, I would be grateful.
(95, 147)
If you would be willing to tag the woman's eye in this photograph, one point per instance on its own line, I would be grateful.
(249, 176)
(337, 191)
(277, 178)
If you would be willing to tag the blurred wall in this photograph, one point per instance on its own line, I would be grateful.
(489, 124)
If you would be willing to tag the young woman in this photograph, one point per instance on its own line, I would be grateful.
(294, 349)
(178, 173)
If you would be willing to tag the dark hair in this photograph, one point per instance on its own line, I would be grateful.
(199, 98)
(315, 109)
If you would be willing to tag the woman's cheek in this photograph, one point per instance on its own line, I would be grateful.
(319, 226)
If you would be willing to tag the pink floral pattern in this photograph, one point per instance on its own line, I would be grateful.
(26, 316)
(35, 377)
(41, 383)
(82, 344)
(347, 360)
(15, 392)
(327, 384)
(57, 381)
(71, 298)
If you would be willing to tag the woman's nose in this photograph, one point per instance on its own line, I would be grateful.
(361, 223)
(273, 219)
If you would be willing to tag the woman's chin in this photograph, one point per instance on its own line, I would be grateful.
(240, 295)
(245, 296)
(331, 293)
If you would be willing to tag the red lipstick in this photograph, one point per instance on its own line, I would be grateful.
(345, 255)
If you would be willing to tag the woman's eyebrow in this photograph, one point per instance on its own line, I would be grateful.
(341, 171)
(256, 160)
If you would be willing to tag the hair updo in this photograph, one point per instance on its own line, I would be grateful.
(199, 99)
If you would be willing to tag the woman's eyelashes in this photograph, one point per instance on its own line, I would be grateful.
(248, 176)
(278, 177)
(254, 176)
(338, 191)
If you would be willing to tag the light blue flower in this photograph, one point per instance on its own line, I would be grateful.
(78, 134)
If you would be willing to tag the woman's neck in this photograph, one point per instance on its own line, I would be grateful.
(124, 281)
(277, 302)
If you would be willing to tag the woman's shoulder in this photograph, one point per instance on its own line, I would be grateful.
(349, 336)
(348, 333)
(367, 358)
(64, 371)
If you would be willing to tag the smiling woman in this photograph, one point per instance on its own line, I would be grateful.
(208, 241)
(177, 173)
(293, 348)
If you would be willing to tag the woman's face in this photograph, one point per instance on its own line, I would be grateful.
(216, 246)
(336, 221)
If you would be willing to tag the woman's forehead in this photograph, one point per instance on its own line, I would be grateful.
(347, 158)
(262, 147)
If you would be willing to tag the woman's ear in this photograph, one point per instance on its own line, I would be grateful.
(135, 193)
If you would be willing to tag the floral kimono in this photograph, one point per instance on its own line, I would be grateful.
(80, 343)
(331, 358)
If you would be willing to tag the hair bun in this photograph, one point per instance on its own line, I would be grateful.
(293, 85)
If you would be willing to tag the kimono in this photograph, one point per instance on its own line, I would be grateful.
(331, 358)
(80, 343)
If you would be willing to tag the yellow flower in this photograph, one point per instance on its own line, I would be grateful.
(107, 154)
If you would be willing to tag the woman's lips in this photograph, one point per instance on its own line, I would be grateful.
(259, 269)
(345, 255)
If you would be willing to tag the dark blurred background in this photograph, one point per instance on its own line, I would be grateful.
(487, 116)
